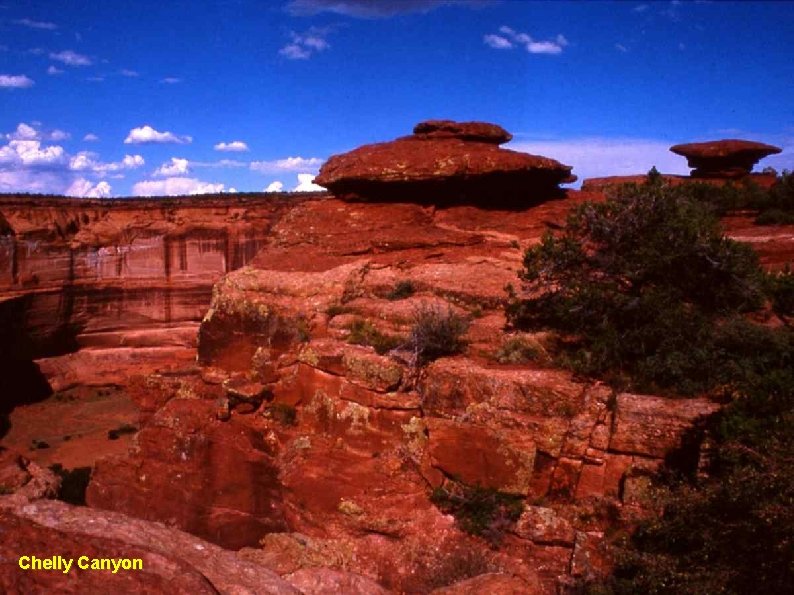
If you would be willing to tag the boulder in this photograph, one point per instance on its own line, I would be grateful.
(730, 158)
(445, 162)
(479, 132)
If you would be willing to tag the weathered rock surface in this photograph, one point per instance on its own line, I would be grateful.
(173, 561)
(481, 132)
(216, 480)
(730, 158)
(445, 162)
(320, 456)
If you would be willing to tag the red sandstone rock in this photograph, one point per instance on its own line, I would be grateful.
(174, 562)
(482, 132)
(19, 536)
(729, 158)
(478, 456)
(545, 526)
(652, 426)
(444, 162)
(354, 473)
(214, 479)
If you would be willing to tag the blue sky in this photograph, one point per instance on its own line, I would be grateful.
(112, 98)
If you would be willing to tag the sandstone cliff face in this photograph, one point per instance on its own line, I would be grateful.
(352, 443)
(97, 275)
(318, 458)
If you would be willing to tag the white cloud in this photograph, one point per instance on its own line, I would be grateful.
(306, 184)
(86, 161)
(176, 167)
(90, 137)
(171, 80)
(84, 189)
(275, 187)
(287, 164)
(29, 153)
(23, 132)
(54, 70)
(29, 132)
(146, 134)
(234, 146)
(36, 24)
(510, 38)
(640, 8)
(59, 135)
(15, 81)
(497, 42)
(305, 45)
(597, 157)
(128, 73)
(27, 165)
(293, 51)
(175, 187)
(621, 48)
(71, 58)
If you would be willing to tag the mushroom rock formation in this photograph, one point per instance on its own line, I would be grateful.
(445, 162)
(730, 158)
(479, 132)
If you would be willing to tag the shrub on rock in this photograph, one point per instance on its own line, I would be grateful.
(640, 283)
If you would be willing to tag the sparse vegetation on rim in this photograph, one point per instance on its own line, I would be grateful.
(644, 287)
(647, 293)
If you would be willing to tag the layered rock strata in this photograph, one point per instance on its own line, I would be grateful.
(115, 284)
(335, 462)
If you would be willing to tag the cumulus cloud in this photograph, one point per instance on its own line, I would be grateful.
(175, 187)
(29, 165)
(304, 45)
(287, 164)
(28, 132)
(30, 153)
(36, 24)
(175, 167)
(596, 157)
(54, 70)
(71, 58)
(148, 135)
(306, 184)
(15, 81)
(509, 38)
(23, 132)
(90, 137)
(234, 146)
(83, 188)
(275, 187)
(86, 161)
(367, 9)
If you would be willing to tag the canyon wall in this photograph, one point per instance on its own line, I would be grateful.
(81, 277)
